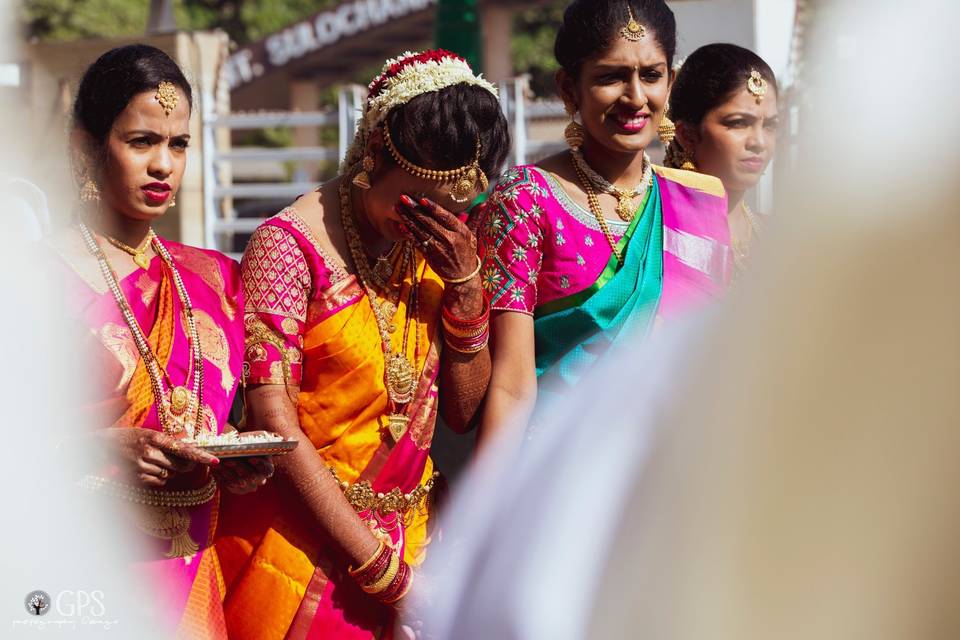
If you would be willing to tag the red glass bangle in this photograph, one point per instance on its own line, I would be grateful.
(374, 569)
(466, 325)
(467, 345)
(465, 333)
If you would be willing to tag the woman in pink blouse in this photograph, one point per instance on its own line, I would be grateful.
(590, 246)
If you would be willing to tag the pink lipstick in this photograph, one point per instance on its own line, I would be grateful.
(632, 122)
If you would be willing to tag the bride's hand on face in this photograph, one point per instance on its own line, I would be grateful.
(150, 457)
(448, 244)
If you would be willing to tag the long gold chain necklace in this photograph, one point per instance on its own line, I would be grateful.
(597, 211)
(174, 409)
(741, 249)
(400, 375)
(625, 197)
(139, 254)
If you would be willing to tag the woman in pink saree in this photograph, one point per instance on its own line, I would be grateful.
(724, 104)
(594, 247)
(163, 331)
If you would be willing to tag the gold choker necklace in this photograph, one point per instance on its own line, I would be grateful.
(139, 254)
(625, 197)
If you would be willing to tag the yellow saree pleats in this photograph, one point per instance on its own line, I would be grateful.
(279, 570)
(140, 392)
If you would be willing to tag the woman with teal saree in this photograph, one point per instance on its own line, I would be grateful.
(595, 245)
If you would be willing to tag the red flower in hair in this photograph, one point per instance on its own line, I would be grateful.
(431, 55)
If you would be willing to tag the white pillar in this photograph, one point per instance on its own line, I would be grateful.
(305, 96)
(496, 27)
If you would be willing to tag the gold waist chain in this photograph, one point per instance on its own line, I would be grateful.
(162, 514)
(362, 497)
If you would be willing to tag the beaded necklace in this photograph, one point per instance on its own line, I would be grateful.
(400, 375)
(625, 197)
(741, 249)
(597, 211)
(173, 409)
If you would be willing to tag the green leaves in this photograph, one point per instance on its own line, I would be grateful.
(243, 20)
(534, 31)
(69, 19)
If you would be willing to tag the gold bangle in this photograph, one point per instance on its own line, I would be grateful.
(405, 591)
(451, 330)
(366, 565)
(386, 578)
(465, 278)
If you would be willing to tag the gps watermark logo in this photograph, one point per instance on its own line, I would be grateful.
(37, 603)
(74, 609)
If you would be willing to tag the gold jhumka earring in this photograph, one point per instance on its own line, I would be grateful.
(676, 155)
(466, 179)
(666, 130)
(573, 134)
(634, 31)
(89, 191)
(167, 96)
(362, 179)
(757, 85)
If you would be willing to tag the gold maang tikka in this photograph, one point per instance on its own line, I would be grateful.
(466, 179)
(634, 31)
(757, 85)
(167, 96)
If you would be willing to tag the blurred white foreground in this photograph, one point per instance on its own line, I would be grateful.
(52, 538)
(788, 467)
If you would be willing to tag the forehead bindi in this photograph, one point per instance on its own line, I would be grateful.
(623, 53)
(745, 102)
(145, 113)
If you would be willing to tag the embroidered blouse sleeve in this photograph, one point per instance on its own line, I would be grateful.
(510, 242)
(276, 286)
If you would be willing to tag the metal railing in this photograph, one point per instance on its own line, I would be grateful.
(222, 222)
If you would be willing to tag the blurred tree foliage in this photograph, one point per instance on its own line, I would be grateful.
(69, 19)
(243, 20)
(248, 20)
(534, 31)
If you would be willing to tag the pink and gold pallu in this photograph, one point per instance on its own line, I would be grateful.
(189, 587)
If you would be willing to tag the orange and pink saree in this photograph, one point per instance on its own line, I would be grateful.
(309, 324)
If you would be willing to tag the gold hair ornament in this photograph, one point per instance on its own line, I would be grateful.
(757, 85)
(167, 96)
(634, 31)
(467, 179)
